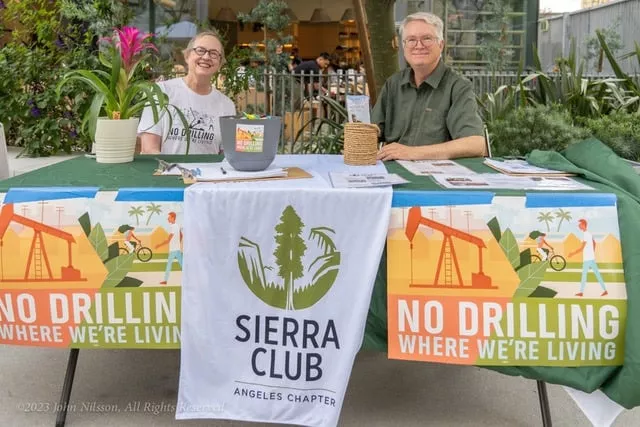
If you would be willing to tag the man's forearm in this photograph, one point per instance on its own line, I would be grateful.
(471, 146)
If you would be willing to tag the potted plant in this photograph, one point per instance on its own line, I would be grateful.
(121, 94)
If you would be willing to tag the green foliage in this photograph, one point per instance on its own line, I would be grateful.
(85, 223)
(530, 128)
(494, 106)
(323, 135)
(494, 227)
(289, 250)
(117, 269)
(233, 82)
(594, 48)
(619, 130)
(99, 241)
(493, 45)
(50, 39)
(509, 246)
(530, 277)
(100, 16)
(270, 14)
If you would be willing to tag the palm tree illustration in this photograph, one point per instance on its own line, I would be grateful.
(152, 208)
(547, 218)
(289, 251)
(324, 240)
(136, 211)
(562, 215)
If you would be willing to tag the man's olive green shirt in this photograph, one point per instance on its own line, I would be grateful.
(441, 109)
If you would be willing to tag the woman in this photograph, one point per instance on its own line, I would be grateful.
(200, 102)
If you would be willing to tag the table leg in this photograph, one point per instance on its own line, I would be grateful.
(61, 415)
(543, 397)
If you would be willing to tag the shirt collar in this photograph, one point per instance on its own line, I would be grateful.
(432, 80)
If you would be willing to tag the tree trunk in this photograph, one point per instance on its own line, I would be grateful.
(382, 31)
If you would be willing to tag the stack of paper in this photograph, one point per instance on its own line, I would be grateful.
(434, 167)
(360, 180)
(522, 168)
(223, 172)
(499, 181)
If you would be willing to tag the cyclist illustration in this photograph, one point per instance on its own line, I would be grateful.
(539, 237)
(129, 237)
(556, 262)
(133, 245)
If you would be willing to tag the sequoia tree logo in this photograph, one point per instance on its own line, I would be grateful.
(299, 288)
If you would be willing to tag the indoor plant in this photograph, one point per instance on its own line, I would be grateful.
(121, 94)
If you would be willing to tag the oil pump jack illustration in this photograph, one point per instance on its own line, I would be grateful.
(448, 259)
(38, 252)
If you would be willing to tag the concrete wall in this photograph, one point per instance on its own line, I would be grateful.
(581, 25)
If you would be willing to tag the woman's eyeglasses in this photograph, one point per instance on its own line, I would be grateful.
(213, 53)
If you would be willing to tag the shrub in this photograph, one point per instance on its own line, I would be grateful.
(529, 128)
(619, 130)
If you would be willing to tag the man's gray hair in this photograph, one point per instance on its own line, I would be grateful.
(210, 33)
(428, 18)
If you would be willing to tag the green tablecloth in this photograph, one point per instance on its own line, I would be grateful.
(592, 160)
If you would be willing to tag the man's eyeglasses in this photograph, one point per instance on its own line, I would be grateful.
(213, 54)
(425, 41)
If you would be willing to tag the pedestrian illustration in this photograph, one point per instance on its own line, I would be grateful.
(174, 241)
(588, 248)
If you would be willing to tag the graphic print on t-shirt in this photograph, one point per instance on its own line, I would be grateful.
(201, 126)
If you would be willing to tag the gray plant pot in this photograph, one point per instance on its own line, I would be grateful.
(250, 145)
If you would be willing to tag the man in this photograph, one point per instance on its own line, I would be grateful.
(427, 111)
(588, 248)
(316, 67)
(174, 240)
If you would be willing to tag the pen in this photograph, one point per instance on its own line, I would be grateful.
(224, 172)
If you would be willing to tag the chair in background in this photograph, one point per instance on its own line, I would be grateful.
(487, 141)
(4, 160)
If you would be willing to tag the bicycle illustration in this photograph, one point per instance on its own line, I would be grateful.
(556, 262)
(132, 244)
(143, 253)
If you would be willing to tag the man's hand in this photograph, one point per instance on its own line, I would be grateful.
(396, 151)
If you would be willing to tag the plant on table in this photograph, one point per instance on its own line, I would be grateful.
(118, 89)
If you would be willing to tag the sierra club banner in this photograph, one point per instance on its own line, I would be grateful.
(482, 280)
(86, 269)
(277, 285)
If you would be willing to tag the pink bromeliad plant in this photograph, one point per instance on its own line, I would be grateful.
(119, 92)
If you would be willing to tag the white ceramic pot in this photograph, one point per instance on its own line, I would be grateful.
(115, 140)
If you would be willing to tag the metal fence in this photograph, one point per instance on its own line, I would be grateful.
(296, 97)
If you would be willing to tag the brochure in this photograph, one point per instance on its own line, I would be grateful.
(358, 109)
(434, 167)
(522, 168)
(360, 180)
(499, 181)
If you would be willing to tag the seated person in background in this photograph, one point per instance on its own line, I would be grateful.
(316, 66)
(200, 102)
(427, 111)
(295, 59)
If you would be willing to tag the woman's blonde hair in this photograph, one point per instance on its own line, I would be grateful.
(211, 33)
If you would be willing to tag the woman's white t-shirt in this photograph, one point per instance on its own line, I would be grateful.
(202, 112)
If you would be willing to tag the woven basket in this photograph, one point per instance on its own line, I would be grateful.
(360, 143)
